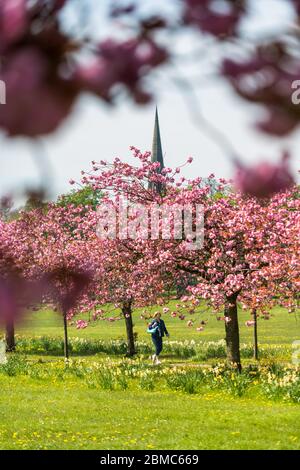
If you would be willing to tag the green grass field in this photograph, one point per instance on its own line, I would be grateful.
(62, 412)
(282, 328)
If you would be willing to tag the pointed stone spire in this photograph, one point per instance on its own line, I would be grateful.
(157, 154)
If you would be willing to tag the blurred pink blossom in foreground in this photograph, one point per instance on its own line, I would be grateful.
(264, 179)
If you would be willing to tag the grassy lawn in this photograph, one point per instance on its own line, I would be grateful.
(35, 415)
(282, 328)
(41, 413)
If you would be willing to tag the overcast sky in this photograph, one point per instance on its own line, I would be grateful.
(96, 131)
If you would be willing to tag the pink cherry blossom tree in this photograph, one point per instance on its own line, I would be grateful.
(246, 246)
(124, 278)
(45, 244)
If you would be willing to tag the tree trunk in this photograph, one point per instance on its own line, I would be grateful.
(255, 352)
(66, 343)
(127, 312)
(232, 332)
(10, 336)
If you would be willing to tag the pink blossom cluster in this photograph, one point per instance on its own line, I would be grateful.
(266, 78)
(264, 179)
(39, 94)
(81, 324)
(208, 19)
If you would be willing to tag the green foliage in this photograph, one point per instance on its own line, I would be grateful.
(107, 374)
(45, 345)
(197, 351)
(188, 381)
(16, 365)
(86, 196)
(147, 382)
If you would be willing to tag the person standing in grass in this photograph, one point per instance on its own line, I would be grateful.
(158, 330)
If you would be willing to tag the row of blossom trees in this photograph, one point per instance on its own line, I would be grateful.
(250, 252)
(251, 245)
(61, 243)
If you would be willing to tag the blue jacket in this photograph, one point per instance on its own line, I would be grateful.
(161, 330)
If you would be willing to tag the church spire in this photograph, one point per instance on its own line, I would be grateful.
(157, 154)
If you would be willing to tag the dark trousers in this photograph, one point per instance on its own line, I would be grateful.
(158, 343)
